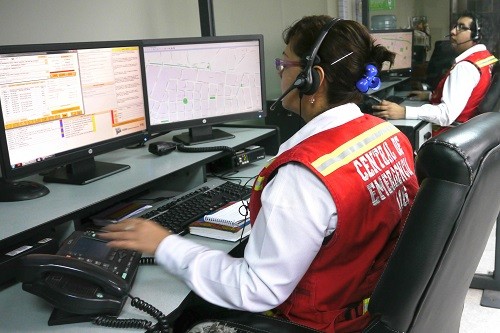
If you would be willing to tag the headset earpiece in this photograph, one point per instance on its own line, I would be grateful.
(311, 83)
(476, 33)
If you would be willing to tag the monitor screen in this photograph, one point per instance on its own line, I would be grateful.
(399, 41)
(198, 82)
(62, 104)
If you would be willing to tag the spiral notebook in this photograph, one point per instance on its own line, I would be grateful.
(232, 215)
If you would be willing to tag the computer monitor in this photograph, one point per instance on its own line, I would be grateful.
(61, 105)
(399, 41)
(198, 82)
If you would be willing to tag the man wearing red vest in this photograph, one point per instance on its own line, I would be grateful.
(461, 90)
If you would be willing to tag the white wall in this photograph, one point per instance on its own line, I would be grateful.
(438, 17)
(269, 18)
(51, 21)
(54, 21)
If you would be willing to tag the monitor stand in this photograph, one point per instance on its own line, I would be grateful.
(202, 134)
(21, 190)
(83, 172)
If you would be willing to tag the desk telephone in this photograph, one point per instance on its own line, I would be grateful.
(85, 277)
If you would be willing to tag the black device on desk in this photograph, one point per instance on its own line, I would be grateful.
(83, 277)
(88, 281)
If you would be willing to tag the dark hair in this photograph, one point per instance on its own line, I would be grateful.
(475, 27)
(344, 37)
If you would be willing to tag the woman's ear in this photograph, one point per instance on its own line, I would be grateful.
(319, 76)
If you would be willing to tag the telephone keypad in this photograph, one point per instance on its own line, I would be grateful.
(118, 262)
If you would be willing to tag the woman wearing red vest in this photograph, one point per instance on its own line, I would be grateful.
(460, 91)
(326, 212)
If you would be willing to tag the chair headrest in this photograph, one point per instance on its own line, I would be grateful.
(491, 101)
(455, 155)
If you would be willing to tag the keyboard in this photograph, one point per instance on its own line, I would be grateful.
(395, 99)
(178, 212)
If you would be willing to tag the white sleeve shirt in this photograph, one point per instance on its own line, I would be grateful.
(457, 90)
(297, 213)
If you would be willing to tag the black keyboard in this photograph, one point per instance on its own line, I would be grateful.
(178, 212)
(395, 99)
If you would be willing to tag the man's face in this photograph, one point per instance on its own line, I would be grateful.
(461, 35)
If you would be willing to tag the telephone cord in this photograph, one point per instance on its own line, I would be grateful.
(161, 326)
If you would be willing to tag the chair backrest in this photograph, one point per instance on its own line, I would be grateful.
(491, 101)
(441, 59)
(424, 286)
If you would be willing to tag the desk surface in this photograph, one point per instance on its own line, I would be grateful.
(23, 312)
(66, 202)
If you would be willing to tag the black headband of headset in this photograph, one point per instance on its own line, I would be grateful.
(324, 31)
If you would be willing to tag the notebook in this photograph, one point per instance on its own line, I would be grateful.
(231, 215)
(222, 234)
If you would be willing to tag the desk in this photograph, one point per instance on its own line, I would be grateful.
(72, 202)
(23, 312)
(418, 131)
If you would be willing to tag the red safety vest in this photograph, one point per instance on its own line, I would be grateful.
(367, 166)
(484, 61)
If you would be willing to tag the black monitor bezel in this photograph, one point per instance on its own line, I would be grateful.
(211, 121)
(399, 72)
(78, 154)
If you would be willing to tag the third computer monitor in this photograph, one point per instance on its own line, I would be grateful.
(196, 82)
(399, 41)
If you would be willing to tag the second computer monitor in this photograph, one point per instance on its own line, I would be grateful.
(194, 83)
(399, 41)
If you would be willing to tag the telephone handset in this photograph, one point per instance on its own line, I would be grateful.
(85, 276)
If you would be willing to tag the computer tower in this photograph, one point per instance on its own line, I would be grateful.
(417, 131)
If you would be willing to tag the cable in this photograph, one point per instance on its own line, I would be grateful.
(162, 325)
(184, 149)
(147, 261)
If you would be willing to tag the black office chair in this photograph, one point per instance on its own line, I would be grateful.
(423, 288)
(491, 101)
(441, 59)
(427, 278)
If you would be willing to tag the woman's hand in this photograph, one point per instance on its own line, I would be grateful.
(389, 110)
(135, 234)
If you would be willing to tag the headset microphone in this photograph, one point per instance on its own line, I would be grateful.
(297, 83)
(470, 40)
(446, 36)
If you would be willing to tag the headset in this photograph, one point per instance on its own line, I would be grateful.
(476, 32)
(307, 82)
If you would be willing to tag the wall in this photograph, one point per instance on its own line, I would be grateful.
(269, 18)
(438, 17)
(49, 21)
(54, 21)
(403, 10)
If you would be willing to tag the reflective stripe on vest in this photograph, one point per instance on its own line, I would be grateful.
(354, 148)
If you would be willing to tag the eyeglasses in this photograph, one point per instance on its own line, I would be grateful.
(281, 64)
(460, 27)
